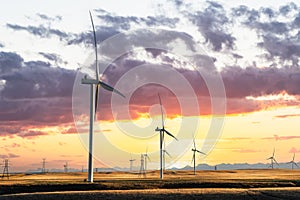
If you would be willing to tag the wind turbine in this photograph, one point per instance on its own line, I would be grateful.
(146, 156)
(66, 167)
(194, 155)
(162, 132)
(131, 162)
(94, 83)
(293, 162)
(272, 158)
(164, 156)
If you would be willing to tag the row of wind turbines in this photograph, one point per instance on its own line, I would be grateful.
(95, 85)
(145, 157)
(273, 160)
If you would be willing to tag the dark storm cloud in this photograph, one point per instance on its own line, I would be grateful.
(248, 15)
(34, 94)
(37, 79)
(120, 22)
(285, 10)
(102, 33)
(1, 45)
(212, 23)
(41, 31)
(253, 81)
(9, 62)
(280, 39)
(285, 49)
(52, 57)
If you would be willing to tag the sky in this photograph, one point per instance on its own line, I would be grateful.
(227, 73)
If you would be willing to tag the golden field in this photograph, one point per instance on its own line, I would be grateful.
(225, 184)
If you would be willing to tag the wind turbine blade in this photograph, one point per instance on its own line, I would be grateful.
(193, 158)
(275, 161)
(296, 165)
(110, 88)
(147, 157)
(96, 97)
(201, 152)
(95, 46)
(162, 113)
(273, 152)
(294, 157)
(167, 132)
(194, 143)
(168, 153)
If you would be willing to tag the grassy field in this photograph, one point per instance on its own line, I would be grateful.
(229, 184)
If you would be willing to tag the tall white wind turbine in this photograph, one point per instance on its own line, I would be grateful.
(94, 83)
(162, 132)
(194, 155)
(273, 160)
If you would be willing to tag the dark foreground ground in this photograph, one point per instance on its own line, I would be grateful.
(233, 184)
(217, 193)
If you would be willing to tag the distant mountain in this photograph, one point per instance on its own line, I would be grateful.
(226, 166)
(223, 166)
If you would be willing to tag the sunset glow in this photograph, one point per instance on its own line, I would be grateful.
(228, 76)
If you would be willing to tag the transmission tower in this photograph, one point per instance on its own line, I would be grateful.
(5, 169)
(142, 169)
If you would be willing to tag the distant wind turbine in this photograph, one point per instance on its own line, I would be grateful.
(292, 162)
(146, 156)
(162, 132)
(164, 156)
(94, 102)
(194, 155)
(131, 162)
(273, 160)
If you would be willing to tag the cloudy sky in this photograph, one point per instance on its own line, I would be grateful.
(228, 75)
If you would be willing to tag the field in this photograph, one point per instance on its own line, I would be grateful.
(228, 184)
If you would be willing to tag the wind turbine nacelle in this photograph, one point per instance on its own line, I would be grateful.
(89, 81)
(157, 129)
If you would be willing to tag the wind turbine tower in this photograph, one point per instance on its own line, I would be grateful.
(94, 84)
(142, 168)
(194, 155)
(162, 132)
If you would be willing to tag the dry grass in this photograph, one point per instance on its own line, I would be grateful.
(238, 184)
